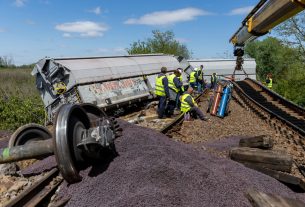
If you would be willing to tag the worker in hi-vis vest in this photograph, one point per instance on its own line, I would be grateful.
(200, 79)
(269, 80)
(174, 85)
(213, 80)
(190, 107)
(162, 92)
(178, 102)
(193, 77)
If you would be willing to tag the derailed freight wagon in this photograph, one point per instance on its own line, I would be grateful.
(106, 82)
(225, 67)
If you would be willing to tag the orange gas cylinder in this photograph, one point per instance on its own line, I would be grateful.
(216, 101)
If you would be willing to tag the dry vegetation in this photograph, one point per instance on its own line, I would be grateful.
(19, 99)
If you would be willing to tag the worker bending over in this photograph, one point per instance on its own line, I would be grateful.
(162, 92)
(188, 105)
(175, 86)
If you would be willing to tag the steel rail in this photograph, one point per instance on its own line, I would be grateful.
(34, 195)
(293, 126)
(43, 188)
(284, 101)
(179, 119)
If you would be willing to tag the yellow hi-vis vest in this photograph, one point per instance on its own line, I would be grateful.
(269, 85)
(171, 83)
(192, 77)
(181, 79)
(200, 74)
(159, 89)
(185, 107)
(214, 78)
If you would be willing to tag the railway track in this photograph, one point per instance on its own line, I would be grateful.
(41, 191)
(37, 194)
(248, 93)
(177, 121)
(284, 116)
(287, 118)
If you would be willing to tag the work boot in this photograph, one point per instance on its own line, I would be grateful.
(206, 119)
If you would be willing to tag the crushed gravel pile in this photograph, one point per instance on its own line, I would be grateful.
(239, 122)
(39, 167)
(153, 170)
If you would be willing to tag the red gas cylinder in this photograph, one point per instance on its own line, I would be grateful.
(216, 101)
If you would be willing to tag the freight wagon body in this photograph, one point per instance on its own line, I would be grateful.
(225, 67)
(103, 81)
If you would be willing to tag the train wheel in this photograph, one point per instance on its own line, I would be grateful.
(28, 133)
(70, 122)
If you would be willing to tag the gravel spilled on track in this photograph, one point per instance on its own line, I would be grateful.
(153, 170)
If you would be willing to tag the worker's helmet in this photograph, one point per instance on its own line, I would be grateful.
(180, 70)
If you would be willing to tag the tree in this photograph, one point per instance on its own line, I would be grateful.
(292, 32)
(284, 63)
(161, 42)
(271, 56)
(6, 62)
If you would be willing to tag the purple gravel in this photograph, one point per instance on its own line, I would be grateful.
(39, 167)
(153, 170)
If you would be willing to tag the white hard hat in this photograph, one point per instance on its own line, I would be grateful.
(180, 70)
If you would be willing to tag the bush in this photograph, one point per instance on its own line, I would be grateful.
(285, 64)
(15, 112)
(20, 102)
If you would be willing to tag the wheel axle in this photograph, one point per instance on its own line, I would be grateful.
(81, 132)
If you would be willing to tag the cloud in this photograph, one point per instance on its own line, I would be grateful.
(96, 10)
(66, 35)
(168, 17)
(82, 29)
(2, 30)
(241, 10)
(19, 3)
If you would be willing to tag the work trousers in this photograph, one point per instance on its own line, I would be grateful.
(194, 85)
(178, 102)
(200, 86)
(213, 85)
(196, 112)
(170, 108)
(161, 106)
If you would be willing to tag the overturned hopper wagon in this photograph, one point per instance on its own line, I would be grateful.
(107, 82)
(225, 67)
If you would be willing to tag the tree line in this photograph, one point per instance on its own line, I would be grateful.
(8, 62)
(283, 55)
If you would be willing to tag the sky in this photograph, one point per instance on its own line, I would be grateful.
(33, 29)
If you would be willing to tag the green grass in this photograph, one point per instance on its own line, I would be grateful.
(20, 102)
